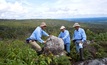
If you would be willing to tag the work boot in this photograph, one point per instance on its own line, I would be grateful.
(81, 54)
(68, 54)
(40, 52)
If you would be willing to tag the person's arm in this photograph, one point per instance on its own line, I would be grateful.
(44, 33)
(66, 35)
(40, 40)
(83, 36)
(59, 35)
(38, 36)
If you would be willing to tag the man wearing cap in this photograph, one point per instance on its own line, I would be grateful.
(36, 36)
(64, 34)
(79, 37)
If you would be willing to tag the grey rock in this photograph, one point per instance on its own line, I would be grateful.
(93, 62)
(54, 45)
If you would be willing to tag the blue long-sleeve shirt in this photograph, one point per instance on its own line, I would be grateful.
(65, 36)
(37, 34)
(79, 34)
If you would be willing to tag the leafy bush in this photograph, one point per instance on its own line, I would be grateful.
(16, 52)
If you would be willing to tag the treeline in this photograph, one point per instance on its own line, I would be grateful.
(20, 29)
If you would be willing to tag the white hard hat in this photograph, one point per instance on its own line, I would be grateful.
(62, 27)
(76, 24)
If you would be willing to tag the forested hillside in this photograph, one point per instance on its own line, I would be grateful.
(14, 50)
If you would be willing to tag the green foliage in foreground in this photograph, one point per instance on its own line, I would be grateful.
(16, 52)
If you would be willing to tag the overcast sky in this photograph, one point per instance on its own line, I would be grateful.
(33, 9)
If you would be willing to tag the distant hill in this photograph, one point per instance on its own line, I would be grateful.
(95, 19)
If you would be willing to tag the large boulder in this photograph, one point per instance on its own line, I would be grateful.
(54, 45)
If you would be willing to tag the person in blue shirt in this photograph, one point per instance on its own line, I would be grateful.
(36, 36)
(79, 37)
(65, 36)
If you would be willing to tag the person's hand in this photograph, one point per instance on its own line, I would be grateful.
(49, 35)
(44, 42)
(61, 38)
(80, 42)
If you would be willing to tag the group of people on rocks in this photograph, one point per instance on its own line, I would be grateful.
(79, 37)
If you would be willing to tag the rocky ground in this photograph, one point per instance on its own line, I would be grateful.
(92, 62)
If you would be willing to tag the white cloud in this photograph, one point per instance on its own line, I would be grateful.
(73, 8)
(2, 4)
(56, 9)
(11, 10)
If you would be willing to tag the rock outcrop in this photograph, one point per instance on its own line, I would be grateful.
(93, 62)
(54, 45)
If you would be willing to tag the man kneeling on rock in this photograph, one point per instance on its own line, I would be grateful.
(36, 36)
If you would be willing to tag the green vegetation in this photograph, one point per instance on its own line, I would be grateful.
(14, 50)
